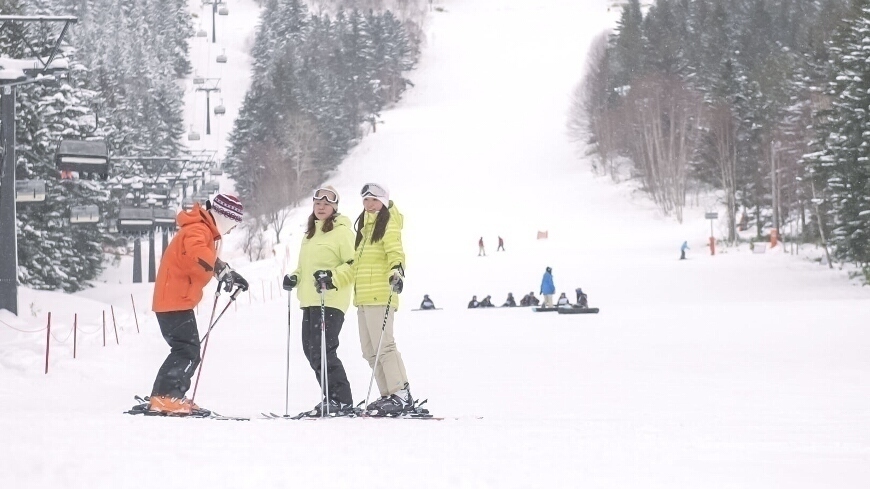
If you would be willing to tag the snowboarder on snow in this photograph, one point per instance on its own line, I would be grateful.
(529, 300)
(427, 303)
(325, 259)
(480, 250)
(487, 302)
(189, 263)
(563, 300)
(510, 302)
(500, 245)
(582, 299)
(683, 250)
(473, 304)
(548, 288)
(379, 275)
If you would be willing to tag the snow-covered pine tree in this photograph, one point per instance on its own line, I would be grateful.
(316, 81)
(52, 253)
(842, 163)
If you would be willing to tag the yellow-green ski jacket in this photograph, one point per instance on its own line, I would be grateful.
(374, 262)
(327, 251)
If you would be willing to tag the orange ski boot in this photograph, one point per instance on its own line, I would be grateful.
(170, 406)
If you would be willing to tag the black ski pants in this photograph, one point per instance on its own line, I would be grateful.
(179, 330)
(339, 387)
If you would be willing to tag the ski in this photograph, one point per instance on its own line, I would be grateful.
(142, 408)
(306, 415)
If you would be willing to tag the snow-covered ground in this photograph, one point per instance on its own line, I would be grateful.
(739, 370)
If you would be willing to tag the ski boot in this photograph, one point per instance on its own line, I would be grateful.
(394, 405)
(173, 406)
(335, 409)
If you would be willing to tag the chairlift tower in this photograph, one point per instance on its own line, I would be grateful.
(210, 85)
(218, 7)
(15, 72)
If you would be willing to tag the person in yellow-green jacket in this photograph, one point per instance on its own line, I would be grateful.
(325, 264)
(378, 274)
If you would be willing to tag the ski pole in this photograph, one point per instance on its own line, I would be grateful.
(378, 354)
(287, 390)
(217, 294)
(205, 347)
(324, 375)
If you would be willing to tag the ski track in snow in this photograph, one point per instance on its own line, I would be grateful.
(739, 370)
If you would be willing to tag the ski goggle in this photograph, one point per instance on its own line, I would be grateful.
(372, 190)
(327, 195)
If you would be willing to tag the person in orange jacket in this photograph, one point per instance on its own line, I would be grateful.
(188, 264)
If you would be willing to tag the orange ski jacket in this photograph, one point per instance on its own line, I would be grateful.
(188, 262)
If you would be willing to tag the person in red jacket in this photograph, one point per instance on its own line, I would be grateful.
(188, 264)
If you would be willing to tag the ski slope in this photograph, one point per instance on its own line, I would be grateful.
(738, 370)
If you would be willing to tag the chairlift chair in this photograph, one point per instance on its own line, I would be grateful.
(216, 172)
(201, 33)
(83, 156)
(223, 10)
(220, 110)
(222, 58)
(193, 135)
(84, 214)
(164, 218)
(198, 80)
(135, 220)
(30, 191)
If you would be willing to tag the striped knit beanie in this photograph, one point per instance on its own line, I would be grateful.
(228, 206)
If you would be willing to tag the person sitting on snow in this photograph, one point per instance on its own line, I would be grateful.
(473, 304)
(509, 302)
(563, 300)
(530, 300)
(427, 303)
(582, 299)
(487, 302)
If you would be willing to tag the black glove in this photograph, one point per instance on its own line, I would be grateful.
(323, 279)
(397, 279)
(232, 279)
(289, 282)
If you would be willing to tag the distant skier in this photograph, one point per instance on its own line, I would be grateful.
(427, 303)
(683, 250)
(510, 302)
(548, 288)
(481, 251)
(487, 302)
(582, 299)
(188, 264)
(563, 300)
(325, 262)
(500, 245)
(473, 304)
